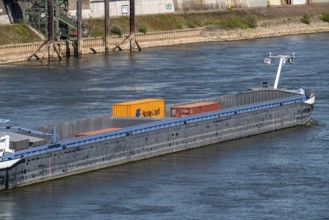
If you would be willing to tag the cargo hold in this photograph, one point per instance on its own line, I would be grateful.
(96, 132)
(20, 141)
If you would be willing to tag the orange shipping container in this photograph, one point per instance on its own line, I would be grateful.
(194, 108)
(139, 108)
(96, 132)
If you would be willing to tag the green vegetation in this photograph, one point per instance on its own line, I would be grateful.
(306, 19)
(11, 34)
(97, 26)
(167, 22)
(325, 16)
(116, 30)
(172, 20)
(190, 25)
(18, 33)
(228, 19)
(142, 29)
(250, 21)
(179, 26)
(237, 22)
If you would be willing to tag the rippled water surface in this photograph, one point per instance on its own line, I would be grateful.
(278, 175)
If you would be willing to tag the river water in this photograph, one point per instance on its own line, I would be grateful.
(278, 175)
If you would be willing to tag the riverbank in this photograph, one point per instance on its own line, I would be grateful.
(266, 29)
(203, 27)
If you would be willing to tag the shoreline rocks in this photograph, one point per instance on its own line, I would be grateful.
(263, 30)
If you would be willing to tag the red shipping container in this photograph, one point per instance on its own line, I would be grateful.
(194, 108)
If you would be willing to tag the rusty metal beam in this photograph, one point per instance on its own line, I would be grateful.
(107, 26)
(132, 24)
(79, 27)
(50, 20)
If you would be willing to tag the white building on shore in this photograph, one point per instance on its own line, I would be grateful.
(95, 8)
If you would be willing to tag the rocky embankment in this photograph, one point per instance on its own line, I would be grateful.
(268, 29)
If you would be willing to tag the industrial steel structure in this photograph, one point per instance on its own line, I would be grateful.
(36, 14)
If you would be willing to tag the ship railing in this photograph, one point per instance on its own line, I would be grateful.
(75, 142)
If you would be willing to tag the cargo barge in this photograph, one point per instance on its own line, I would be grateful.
(105, 140)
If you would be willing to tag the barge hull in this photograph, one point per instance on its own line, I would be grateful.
(136, 146)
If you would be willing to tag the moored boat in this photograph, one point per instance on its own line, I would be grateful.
(243, 114)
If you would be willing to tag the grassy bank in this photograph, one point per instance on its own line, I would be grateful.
(166, 22)
(11, 34)
(229, 19)
(17, 33)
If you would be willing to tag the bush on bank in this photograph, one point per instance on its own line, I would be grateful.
(116, 30)
(325, 17)
(306, 19)
(238, 22)
(142, 29)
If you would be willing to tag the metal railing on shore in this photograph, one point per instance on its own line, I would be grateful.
(19, 48)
